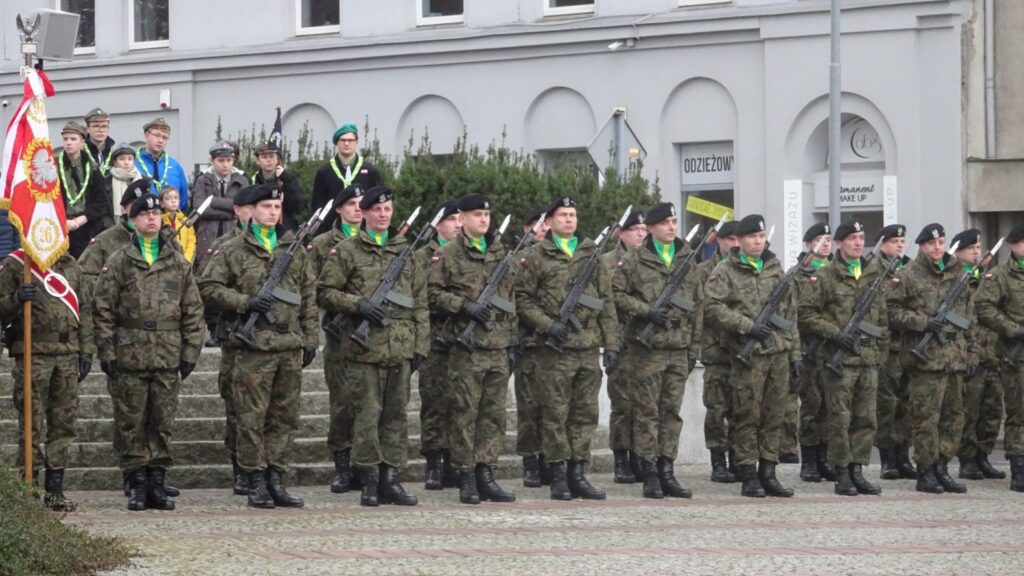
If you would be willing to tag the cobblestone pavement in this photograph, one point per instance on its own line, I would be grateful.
(718, 532)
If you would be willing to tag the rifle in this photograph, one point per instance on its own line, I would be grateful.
(383, 291)
(194, 216)
(670, 291)
(856, 323)
(575, 296)
(768, 316)
(271, 286)
(489, 295)
(945, 310)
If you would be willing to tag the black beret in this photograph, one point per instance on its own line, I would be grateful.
(472, 201)
(242, 197)
(847, 228)
(261, 192)
(376, 195)
(147, 202)
(534, 214)
(728, 229)
(967, 238)
(1016, 234)
(135, 190)
(560, 202)
(660, 212)
(816, 230)
(892, 231)
(634, 218)
(347, 193)
(930, 232)
(448, 208)
(750, 225)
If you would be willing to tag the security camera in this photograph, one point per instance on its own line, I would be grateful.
(616, 45)
(5, 103)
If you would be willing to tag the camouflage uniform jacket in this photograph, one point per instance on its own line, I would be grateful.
(321, 246)
(809, 342)
(441, 327)
(983, 339)
(217, 245)
(54, 327)
(888, 293)
(638, 283)
(919, 289)
(352, 272)
(1000, 305)
(460, 272)
(827, 301)
(736, 293)
(148, 317)
(612, 263)
(237, 271)
(542, 284)
(704, 335)
(101, 247)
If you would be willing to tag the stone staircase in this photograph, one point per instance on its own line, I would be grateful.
(201, 461)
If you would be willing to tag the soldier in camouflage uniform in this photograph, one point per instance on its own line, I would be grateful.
(568, 382)
(620, 422)
(1000, 308)
(719, 422)
(434, 383)
(339, 436)
(62, 349)
(657, 376)
(478, 376)
(267, 380)
(983, 390)
(149, 332)
(379, 374)
(827, 302)
(935, 385)
(736, 291)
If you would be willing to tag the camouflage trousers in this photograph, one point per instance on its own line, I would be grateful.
(813, 408)
(850, 401)
(936, 414)
(149, 401)
(54, 406)
(528, 400)
(620, 421)
(224, 374)
(1013, 381)
(435, 387)
(267, 390)
(339, 435)
(116, 440)
(983, 413)
(479, 389)
(893, 406)
(719, 423)
(759, 403)
(658, 384)
(569, 386)
(790, 424)
(380, 431)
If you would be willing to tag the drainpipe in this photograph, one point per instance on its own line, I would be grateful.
(990, 80)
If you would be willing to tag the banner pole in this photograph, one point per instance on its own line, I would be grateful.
(27, 371)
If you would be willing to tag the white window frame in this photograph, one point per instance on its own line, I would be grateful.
(148, 44)
(568, 10)
(422, 20)
(79, 50)
(696, 3)
(301, 30)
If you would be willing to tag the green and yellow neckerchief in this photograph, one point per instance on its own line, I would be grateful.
(381, 238)
(941, 264)
(129, 225)
(150, 248)
(819, 263)
(974, 270)
(481, 244)
(265, 235)
(346, 182)
(854, 267)
(348, 230)
(441, 242)
(666, 252)
(74, 200)
(105, 165)
(567, 246)
(757, 264)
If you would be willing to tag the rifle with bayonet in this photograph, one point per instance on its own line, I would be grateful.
(194, 216)
(271, 286)
(816, 342)
(945, 312)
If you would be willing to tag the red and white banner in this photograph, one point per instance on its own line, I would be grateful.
(31, 188)
(56, 284)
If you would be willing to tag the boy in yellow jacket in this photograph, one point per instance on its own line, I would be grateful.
(175, 220)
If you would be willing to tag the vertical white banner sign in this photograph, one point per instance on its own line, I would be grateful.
(889, 200)
(793, 215)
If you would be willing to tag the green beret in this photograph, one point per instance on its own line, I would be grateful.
(349, 128)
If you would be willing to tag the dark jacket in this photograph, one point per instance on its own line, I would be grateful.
(95, 204)
(288, 183)
(326, 185)
(219, 218)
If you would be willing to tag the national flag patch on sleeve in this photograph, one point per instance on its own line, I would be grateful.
(813, 279)
(104, 270)
(333, 251)
(895, 281)
(91, 242)
(434, 259)
(988, 276)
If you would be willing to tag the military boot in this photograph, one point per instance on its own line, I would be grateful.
(887, 457)
(950, 485)
(433, 476)
(126, 485)
(824, 468)
(546, 473)
(531, 472)
(156, 493)
(904, 465)
(449, 475)
(969, 470)
(488, 488)
(652, 484)
(170, 490)
(809, 464)
(370, 481)
(719, 469)
(636, 464)
(789, 458)
(239, 485)
(579, 486)
(258, 495)
(391, 490)
(844, 485)
(926, 480)
(468, 492)
(987, 468)
(1017, 473)
(670, 485)
(54, 487)
(771, 484)
(751, 485)
(342, 481)
(278, 492)
(623, 471)
(862, 484)
(734, 465)
(137, 490)
(559, 483)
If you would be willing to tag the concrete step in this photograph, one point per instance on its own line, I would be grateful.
(209, 361)
(196, 383)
